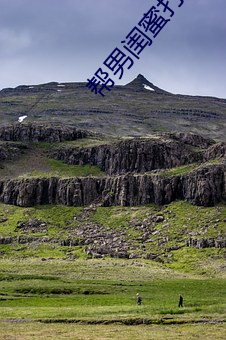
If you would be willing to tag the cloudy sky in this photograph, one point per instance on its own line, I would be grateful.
(68, 40)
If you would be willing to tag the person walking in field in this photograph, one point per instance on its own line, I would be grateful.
(139, 299)
(180, 301)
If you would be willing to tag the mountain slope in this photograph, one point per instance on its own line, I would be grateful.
(130, 110)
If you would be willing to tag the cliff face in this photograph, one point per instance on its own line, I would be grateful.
(125, 163)
(35, 133)
(131, 155)
(191, 139)
(215, 151)
(204, 187)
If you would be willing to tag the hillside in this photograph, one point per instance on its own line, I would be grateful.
(101, 198)
(83, 193)
(136, 109)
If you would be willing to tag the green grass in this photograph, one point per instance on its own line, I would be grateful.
(67, 291)
(60, 169)
(181, 221)
(55, 216)
(180, 170)
(203, 261)
(36, 163)
(36, 331)
(119, 217)
(184, 169)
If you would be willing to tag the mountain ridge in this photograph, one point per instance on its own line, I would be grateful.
(140, 82)
(138, 108)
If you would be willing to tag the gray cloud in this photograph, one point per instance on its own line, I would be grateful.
(54, 40)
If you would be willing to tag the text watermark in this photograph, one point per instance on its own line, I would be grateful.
(133, 44)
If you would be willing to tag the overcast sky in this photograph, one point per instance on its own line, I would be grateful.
(68, 40)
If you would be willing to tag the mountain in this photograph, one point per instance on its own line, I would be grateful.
(122, 176)
(141, 83)
(139, 108)
(101, 198)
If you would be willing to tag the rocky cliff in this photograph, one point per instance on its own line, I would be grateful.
(37, 132)
(134, 169)
(191, 139)
(205, 186)
(215, 151)
(132, 155)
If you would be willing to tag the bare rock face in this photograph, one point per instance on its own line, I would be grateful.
(205, 186)
(131, 155)
(201, 243)
(9, 151)
(127, 164)
(34, 133)
(191, 139)
(215, 151)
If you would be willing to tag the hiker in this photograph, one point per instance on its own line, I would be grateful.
(139, 299)
(180, 301)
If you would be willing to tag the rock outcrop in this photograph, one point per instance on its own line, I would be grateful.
(201, 243)
(191, 139)
(37, 132)
(205, 186)
(215, 151)
(133, 170)
(131, 155)
(11, 151)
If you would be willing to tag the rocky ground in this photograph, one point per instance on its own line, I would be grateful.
(153, 236)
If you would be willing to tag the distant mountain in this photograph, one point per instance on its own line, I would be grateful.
(141, 83)
(139, 108)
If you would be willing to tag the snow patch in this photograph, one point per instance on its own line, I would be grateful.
(31, 87)
(61, 85)
(59, 90)
(21, 118)
(148, 87)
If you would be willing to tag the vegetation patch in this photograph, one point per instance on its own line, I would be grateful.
(180, 170)
(63, 170)
(72, 294)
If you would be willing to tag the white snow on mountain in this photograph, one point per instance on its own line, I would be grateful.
(148, 87)
(21, 118)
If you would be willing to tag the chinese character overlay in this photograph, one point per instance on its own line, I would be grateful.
(106, 83)
(181, 3)
(134, 43)
(160, 2)
(153, 22)
(113, 61)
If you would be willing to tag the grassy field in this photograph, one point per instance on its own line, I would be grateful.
(52, 291)
(96, 299)
(110, 332)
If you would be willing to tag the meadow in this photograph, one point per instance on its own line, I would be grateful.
(96, 299)
(50, 291)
